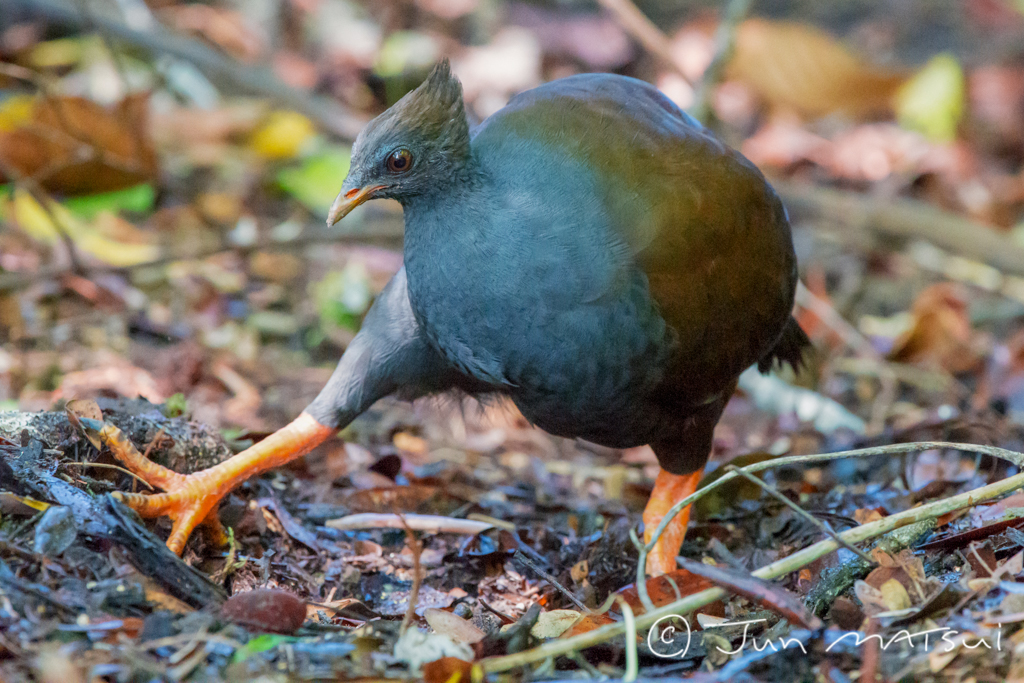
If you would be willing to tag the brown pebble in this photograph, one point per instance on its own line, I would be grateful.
(265, 609)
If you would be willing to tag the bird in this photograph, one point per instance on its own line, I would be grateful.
(589, 251)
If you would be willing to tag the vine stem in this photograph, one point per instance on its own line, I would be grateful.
(795, 561)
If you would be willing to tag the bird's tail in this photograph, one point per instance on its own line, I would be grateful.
(790, 348)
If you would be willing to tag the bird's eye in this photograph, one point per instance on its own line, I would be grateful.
(399, 161)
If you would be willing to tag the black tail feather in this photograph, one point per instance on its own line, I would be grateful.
(790, 348)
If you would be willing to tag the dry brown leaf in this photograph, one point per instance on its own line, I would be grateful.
(453, 626)
(121, 380)
(798, 67)
(941, 333)
(75, 146)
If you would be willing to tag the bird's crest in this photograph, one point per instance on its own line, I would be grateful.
(435, 109)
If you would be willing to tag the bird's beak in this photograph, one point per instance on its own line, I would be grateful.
(346, 201)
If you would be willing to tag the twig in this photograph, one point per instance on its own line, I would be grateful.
(904, 218)
(104, 465)
(725, 43)
(854, 340)
(416, 546)
(636, 24)
(387, 234)
(772, 596)
(632, 661)
(433, 523)
(774, 570)
(35, 190)
(330, 115)
(893, 449)
(521, 556)
(803, 514)
(828, 315)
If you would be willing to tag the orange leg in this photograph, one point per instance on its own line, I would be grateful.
(669, 489)
(192, 500)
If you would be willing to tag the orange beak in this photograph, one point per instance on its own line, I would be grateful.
(350, 200)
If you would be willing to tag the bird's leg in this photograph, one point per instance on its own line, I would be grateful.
(669, 489)
(192, 500)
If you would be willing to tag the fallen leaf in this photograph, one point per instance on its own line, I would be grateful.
(941, 333)
(225, 28)
(75, 146)
(553, 623)
(932, 101)
(11, 504)
(314, 183)
(447, 670)
(894, 595)
(283, 135)
(798, 67)
(46, 224)
(265, 609)
(453, 626)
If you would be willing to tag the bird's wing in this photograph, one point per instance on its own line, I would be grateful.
(700, 220)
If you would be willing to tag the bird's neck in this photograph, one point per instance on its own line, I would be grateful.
(436, 214)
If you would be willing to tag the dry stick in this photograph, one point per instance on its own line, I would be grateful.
(416, 546)
(35, 190)
(725, 43)
(104, 465)
(854, 340)
(774, 570)
(894, 449)
(906, 219)
(521, 556)
(803, 514)
(636, 24)
(432, 523)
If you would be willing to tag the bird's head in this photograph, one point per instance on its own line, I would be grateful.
(410, 149)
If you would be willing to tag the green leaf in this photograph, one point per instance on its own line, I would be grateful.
(175, 406)
(137, 199)
(261, 643)
(342, 297)
(932, 102)
(315, 183)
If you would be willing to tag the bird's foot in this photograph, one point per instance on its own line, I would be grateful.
(192, 500)
(669, 489)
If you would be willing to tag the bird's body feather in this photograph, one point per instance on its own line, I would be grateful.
(611, 267)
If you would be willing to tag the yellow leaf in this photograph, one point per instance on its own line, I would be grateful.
(895, 595)
(283, 135)
(38, 223)
(16, 111)
(10, 504)
(932, 102)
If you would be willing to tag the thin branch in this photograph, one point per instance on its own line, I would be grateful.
(906, 219)
(725, 44)
(521, 557)
(104, 465)
(893, 449)
(433, 523)
(774, 570)
(803, 514)
(416, 546)
(636, 24)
